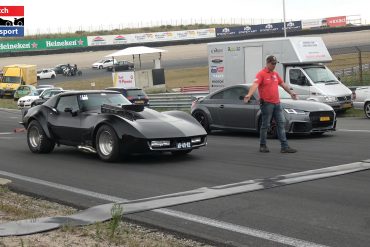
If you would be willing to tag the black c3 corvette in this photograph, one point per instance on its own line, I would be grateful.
(107, 123)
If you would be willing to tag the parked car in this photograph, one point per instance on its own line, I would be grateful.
(136, 96)
(47, 95)
(121, 66)
(226, 110)
(105, 122)
(44, 86)
(46, 74)
(29, 100)
(361, 100)
(59, 69)
(104, 63)
(24, 90)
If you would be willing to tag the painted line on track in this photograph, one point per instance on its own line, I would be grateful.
(347, 130)
(103, 212)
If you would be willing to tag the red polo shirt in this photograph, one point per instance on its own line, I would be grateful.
(268, 85)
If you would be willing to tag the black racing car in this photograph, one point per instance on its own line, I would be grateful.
(105, 122)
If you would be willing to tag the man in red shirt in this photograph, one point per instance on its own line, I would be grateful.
(267, 81)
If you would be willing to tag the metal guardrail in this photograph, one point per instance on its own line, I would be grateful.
(174, 101)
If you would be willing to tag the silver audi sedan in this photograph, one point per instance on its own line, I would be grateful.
(226, 110)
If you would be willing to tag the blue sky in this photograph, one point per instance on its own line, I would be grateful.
(45, 15)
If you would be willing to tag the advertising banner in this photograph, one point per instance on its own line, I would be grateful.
(257, 29)
(124, 79)
(11, 21)
(313, 23)
(150, 37)
(43, 44)
(338, 21)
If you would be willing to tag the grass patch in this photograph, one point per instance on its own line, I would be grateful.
(351, 113)
(8, 103)
(176, 78)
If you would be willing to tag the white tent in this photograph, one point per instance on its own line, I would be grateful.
(137, 50)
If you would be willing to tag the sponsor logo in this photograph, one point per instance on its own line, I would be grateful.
(309, 43)
(63, 43)
(12, 21)
(269, 26)
(217, 60)
(247, 28)
(120, 37)
(335, 21)
(217, 81)
(217, 69)
(232, 49)
(98, 39)
(8, 46)
(140, 37)
(226, 30)
(217, 76)
(290, 24)
(217, 50)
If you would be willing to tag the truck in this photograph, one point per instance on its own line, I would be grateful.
(301, 64)
(16, 75)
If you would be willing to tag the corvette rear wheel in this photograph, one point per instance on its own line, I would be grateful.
(37, 140)
(107, 144)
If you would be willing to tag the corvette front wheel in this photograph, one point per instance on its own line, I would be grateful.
(37, 140)
(107, 144)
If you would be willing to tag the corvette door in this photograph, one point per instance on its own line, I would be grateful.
(65, 122)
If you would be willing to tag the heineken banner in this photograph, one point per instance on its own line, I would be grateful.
(42, 44)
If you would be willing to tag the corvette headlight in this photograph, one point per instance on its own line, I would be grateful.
(196, 140)
(28, 100)
(295, 111)
(161, 143)
(330, 99)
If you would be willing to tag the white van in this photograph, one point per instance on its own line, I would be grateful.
(301, 65)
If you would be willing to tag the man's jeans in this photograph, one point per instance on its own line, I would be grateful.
(270, 110)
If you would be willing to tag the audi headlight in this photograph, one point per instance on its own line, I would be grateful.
(295, 111)
(330, 99)
(28, 100)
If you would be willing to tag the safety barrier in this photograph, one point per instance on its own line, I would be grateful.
(174, 101)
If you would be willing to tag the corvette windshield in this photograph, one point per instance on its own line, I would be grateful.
(95, 101)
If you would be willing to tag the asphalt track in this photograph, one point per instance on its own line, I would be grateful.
(329, 212)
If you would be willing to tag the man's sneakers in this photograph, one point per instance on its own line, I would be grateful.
(288, 150)
(264, 149)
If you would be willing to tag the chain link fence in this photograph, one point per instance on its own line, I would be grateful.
(351, 64)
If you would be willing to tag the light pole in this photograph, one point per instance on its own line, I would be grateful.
(284, 18)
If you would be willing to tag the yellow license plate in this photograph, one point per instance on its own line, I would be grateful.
(139, 102)
(323, 119)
